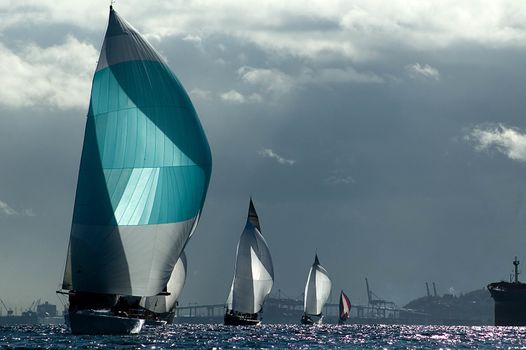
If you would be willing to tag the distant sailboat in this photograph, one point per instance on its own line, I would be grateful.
(142, 183)
(345, 308)
(253, 276)
(163, 306)
(317, 292)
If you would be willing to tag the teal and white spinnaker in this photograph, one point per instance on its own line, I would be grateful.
(143, 175)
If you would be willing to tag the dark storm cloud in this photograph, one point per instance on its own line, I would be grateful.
(381, 181)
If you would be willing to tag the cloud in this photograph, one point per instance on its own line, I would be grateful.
(6, 209)
(268, 153)
(236, 97)
(359, 30)
(271, 80)
(418, 71)
(56, 76)
(338, 75)
(339, 180)
(28, 212)
(200, 94)
(508, 141)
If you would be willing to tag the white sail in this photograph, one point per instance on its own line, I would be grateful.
(254, 273)
(317, 289)
(162, 304)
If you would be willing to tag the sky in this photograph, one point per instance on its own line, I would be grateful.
(390, 137)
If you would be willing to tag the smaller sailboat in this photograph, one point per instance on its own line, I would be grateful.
(253, 276)
(345, 308)
(317, 292)
(163, 306)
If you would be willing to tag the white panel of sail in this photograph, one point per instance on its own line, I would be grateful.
(317, 289)
(162, 304)
(123, 259)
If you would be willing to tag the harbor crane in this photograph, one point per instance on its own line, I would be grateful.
(9, 311)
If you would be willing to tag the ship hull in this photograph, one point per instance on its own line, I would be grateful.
(102, 323)
(241, 320)
(510, 303)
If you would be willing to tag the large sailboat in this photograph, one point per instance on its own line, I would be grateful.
(317, 292)
(344, 308)
(253, 275)
(143, 177)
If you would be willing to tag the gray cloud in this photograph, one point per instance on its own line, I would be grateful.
(236, 97)
(6, 209)
(55, 76)
(425, 71)
(268, 153)
(509, 141)
(334, 97)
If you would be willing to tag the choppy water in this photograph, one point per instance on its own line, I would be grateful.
(272, 337)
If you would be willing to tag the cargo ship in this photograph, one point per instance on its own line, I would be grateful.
(510, 300)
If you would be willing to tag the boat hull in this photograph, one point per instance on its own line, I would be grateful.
(311, 319)
(168, 317)
(510, 303)
(102, 323)
(241, 320)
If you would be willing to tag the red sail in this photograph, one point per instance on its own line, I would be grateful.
(345, 306)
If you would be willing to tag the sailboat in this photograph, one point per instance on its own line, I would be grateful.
(143, 177)
(163, 306)
(253, 275)
(317, 292)
(345, 308)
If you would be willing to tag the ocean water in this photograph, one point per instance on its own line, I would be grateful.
(273, 337)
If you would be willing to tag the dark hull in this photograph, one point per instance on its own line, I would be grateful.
(311, 319)
(102, 323)
(167, 316)
(241, 320)
(510, 303)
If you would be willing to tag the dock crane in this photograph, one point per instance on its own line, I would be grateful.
(9, 311)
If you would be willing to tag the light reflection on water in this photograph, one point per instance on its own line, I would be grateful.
(273, 337)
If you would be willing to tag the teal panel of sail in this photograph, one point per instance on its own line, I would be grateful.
(144, 131)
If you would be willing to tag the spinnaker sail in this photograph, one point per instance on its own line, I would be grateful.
(254, 272)
(345, 307)
(144, 172)
(317, 289)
